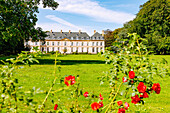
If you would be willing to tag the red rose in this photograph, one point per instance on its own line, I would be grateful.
(101, 98)
(126, 106)
(56, 106)
(86, 94)
(131, 74)
(70, 80)
(95, 106)
(121, 110)
(141, 87)
(100, 104)
(145, 95)
(156, 87)
(124, 79)
(135, 99)
(119, 103)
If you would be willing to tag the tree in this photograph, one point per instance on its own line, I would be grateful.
(152, 22)
(17, 23)
(108, 38)
(111, 36)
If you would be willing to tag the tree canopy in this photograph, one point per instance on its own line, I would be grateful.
(153, 23)
(17, 23)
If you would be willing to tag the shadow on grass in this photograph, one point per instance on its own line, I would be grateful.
(69, 62)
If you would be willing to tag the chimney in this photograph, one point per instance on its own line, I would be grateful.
(61, 31)
(102, 32)
(94, 31)
(79, 31)
(51, 31)
(69, 31)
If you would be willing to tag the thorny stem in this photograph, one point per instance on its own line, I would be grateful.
(114, 97)
(55, 66)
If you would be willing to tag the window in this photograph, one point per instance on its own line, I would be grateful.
(82, 43)
(58, 43)
(77, 44)
(43, 43)
(72, 49)
(47, 49)
(82, 49)
(65, 43)
(99, 38)
(53, 49)
(35, 43)
(47, 43)
(93, 44)
(87, 44)
(96, 43)
(94, 38)
(26, 43)
(71, 43)
(97, 50)
(93, 49)
(101, 43)
(53, 43)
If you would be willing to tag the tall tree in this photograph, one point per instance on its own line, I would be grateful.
(17, 23)
(153, 23)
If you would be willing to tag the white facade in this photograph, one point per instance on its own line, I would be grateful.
(69, 45)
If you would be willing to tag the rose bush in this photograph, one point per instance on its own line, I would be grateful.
(131, 74)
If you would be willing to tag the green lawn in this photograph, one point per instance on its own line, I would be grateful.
(89, 67)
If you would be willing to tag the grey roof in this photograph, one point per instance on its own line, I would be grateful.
(72, 36)
(97, 35)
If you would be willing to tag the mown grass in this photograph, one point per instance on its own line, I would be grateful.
(88, 67)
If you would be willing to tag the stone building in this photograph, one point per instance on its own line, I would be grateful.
(70, 42)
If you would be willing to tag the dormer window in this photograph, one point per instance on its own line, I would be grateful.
(99, 38)
(53, 34)
(94, 38)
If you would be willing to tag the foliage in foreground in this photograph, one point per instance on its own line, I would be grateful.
(130, 80)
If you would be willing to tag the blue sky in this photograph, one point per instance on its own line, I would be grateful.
(88, 15)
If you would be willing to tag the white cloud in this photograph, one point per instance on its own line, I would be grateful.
(57, 27)
(61, 21)
(93, 9)
(61, 24)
